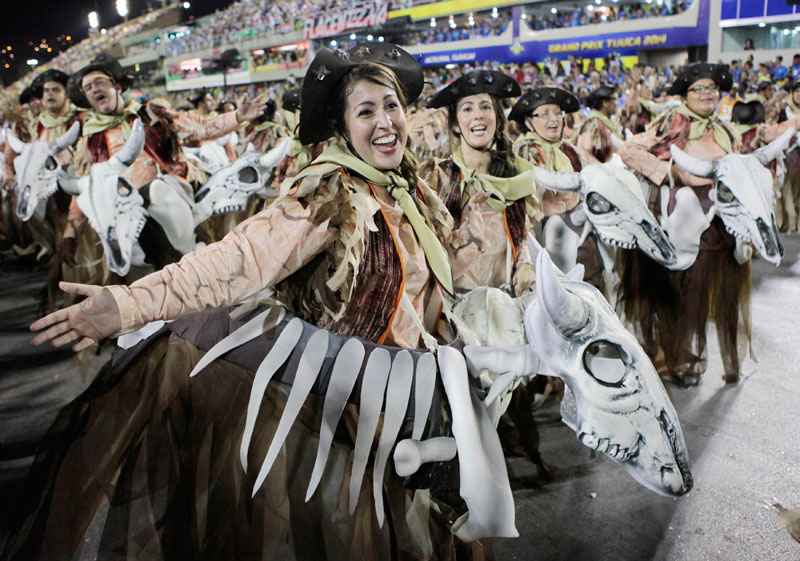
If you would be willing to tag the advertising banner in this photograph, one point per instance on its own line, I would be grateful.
(365, 15)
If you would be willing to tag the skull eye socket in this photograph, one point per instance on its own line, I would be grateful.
(598, 204)
(248, 175)
(124, 188)
(50, 163)
(606, 362)
(724, 194)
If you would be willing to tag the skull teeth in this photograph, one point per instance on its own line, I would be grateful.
(228, 208)
(617, 243)
(604, 445)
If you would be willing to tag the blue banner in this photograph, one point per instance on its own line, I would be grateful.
(627, 43)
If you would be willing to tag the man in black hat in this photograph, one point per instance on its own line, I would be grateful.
(58, 112)
(100, 85)
(595, 135)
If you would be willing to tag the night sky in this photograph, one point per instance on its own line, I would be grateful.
(25, 23)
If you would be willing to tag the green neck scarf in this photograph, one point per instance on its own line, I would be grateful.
(554, 158)
(264, 126)
(504, 190)
(99, 123)
(595, 114)
(399, 188)
(741, 129)
(56, 122)
(700, 124)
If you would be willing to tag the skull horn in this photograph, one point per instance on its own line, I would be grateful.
(767, 153)
(133, 146)
(69, 183)
(66, 140)
(274, 156)
(695, 166)
(16, 144)
(567, 312)
(557, 181)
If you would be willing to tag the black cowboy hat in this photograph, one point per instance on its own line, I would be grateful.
(52, 75)
(543, 96)
(492, 82)
(326, 72)
(596, 98)
(29, 94)
(720, 73)
(291, 100)
(750, 113)
(763, 85)
(104, 63)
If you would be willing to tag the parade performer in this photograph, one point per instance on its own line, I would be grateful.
(99, 86)
(788, 205)
(599, 134)
(540, 113)
(351, 240)
(671, 308)
(490, 195)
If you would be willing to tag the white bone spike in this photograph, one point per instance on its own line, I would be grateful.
(16, 144)
(399, 388)
(69, 183)
(425, 381)
(274, 156)
(695, 166)
(482, 469)
(132, 147)
(767, 153)
(410, 454)
(557, 181)
(343, 378)
(67, 139)
(566, 311)
(373, 386)
(245, 333)
(307, 372)
(283, 347)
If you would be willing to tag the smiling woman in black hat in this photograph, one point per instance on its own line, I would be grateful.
(483, 183)
(351, 246)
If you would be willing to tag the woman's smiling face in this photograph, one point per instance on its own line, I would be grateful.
(375, 123)
(477, 122)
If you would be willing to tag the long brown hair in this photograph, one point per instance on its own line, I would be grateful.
(381, 75)
(501, 156)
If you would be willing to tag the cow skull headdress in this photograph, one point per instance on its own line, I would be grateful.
(229, 189)
(616, 403)
(615, 208)
(742, 194)
(36, 169)
(114, 207)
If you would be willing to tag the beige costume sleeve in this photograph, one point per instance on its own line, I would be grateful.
(770, 132)
(259, 253)
(635, 153)
(190, 127)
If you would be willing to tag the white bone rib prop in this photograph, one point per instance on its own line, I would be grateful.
(410, 454)
(742, 195)
(36, 170)
(397, 391)
(286, 343)
(343, 378)
(373, 387)
(307, 371)
(424, 385)
(483, 477)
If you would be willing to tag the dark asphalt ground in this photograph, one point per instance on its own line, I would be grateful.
(743, 441)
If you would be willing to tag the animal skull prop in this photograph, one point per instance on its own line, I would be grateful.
(36, 169)
(742, 194)
(616, 403)
(614, 207)
(211, 154)
(114, 207)
(229, 189)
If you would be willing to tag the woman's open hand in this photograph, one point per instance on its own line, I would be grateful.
(96, 318)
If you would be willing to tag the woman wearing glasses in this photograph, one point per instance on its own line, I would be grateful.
(541, 113)
(671, 307)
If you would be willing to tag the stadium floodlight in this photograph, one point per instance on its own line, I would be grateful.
(333, 43)
(93, 23)
(494, 12)
(433, 22)
(122, 8)
(32, 62)
(553, 11)
(370, 37)
(186, 5)
(352, 36)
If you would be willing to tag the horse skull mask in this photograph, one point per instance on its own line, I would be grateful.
(616, 403)
(114, 207)
(36, 169)
(743, 194)
(615, 208)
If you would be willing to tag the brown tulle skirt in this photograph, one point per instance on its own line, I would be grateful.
(162, 451)
(669, 309)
